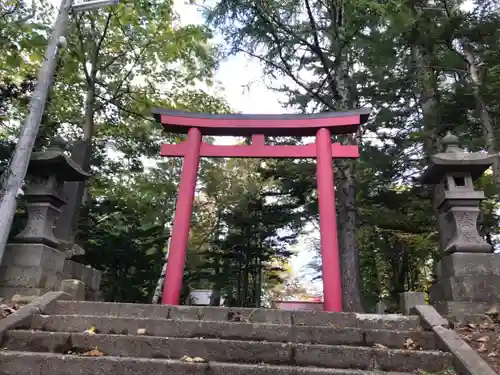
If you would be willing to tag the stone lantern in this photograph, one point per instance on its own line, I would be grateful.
(468, 275)
(33, 263)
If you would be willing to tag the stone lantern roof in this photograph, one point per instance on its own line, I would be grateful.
(54, 162)
(455, 160)
(47, 173)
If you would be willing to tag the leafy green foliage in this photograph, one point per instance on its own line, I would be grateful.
(23, 30)
(250, 232)
(125, 248)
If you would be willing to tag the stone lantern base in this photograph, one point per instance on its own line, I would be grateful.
(30, 269)
(33, 269)
(468, 283)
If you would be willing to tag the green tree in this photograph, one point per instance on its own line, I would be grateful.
(23, 30)
(239, 233)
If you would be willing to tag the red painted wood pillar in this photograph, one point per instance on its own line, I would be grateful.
(180, 229)
(332, 287)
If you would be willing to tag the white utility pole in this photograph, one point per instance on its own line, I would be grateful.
(15, 171)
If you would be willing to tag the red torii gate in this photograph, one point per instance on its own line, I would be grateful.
(322, 125)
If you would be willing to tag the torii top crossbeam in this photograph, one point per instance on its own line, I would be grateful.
(300, 125)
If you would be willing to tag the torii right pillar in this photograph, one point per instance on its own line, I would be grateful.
(468, 274)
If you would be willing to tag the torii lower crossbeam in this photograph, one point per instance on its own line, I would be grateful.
(260, 151)
(322, 126)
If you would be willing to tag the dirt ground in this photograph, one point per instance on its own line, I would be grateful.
(483, 334)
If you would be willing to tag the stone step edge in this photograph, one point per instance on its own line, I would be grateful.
(250, 342)
(325, 356)
(218, 314)
(192, 368)
(262, 332)
(238, 309)
(266, 325)
(245, 309)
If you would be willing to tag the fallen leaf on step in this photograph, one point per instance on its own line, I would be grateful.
(410, 344)
(379, 346)
(466, 337)
(193, 359)
(492, 311)
(90, 331)
(482, 348)
(486, 326)
(483, 339)
(141, 331)
(93, 353)
(236, 317)
(6, 310)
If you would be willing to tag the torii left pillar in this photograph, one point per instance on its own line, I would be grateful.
(322, 126)
(180, 229)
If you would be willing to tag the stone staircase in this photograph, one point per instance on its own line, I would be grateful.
(155, 339)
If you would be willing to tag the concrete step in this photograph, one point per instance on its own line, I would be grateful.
(234, 331)
(347, 357)
(20, 363)
(297, 318)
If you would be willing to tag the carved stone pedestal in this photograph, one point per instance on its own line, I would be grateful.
(466, 283)
(468, 275)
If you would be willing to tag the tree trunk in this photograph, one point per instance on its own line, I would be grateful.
(349, 254)
(346, 187)
(258, 290)
(161, 280)
(422, 58)
(400, 287)
(254, 283)
(159, 285)
(246, 277)
(482, 109)
(74, 192)
(239, 279)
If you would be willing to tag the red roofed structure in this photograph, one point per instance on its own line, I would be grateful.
(321, 125)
